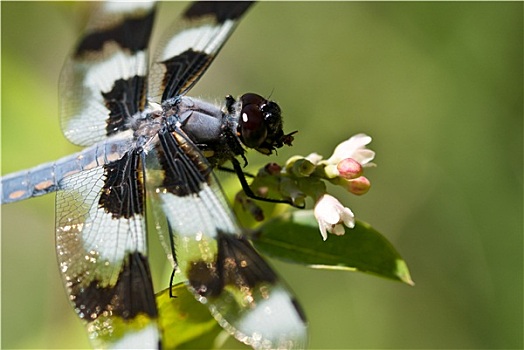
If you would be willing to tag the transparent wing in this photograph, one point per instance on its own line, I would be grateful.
(191, 45)
(222, 268)
(102, 252)
(103, 83)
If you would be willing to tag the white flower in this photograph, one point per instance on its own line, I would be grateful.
(354, 148)
(330, 214)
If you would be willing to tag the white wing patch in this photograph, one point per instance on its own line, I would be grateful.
(277, 317)
(102, 75)
(206, 38)
(89, 236)
(197, 214)
(123, 6)
(84, 120)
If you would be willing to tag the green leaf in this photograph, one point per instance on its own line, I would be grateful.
(185, 323)
(295, 237)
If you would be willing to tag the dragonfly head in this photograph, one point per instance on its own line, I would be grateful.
(260, 124)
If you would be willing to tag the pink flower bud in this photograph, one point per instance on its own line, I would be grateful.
(273, 168)
(359, 186)
(349, 168)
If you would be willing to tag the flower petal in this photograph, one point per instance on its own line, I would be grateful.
(348, 148)
(326, 210)
(322, 228)
(338, 230)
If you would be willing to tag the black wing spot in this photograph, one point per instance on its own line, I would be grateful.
(222, 10)
(185, 168)
(125, 99)
(237, 264)
(182, 70)
(131, 295)
(131, 34)
(123, 191)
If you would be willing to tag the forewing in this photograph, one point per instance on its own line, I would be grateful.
(102, 252)
(190, 46)
(103, 84)
(222, 268)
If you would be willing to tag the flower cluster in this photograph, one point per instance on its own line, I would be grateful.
(345, 168)
(303, 177)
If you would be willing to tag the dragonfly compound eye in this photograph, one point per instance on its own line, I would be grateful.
(252, 124)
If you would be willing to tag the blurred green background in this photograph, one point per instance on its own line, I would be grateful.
(439, 87)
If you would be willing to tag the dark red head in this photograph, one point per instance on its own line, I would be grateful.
(260, 124)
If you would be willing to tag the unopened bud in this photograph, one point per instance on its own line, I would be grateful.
(273, 169)
(359, 186)
(349, 168)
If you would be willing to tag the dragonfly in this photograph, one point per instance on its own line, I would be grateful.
(146, 141)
